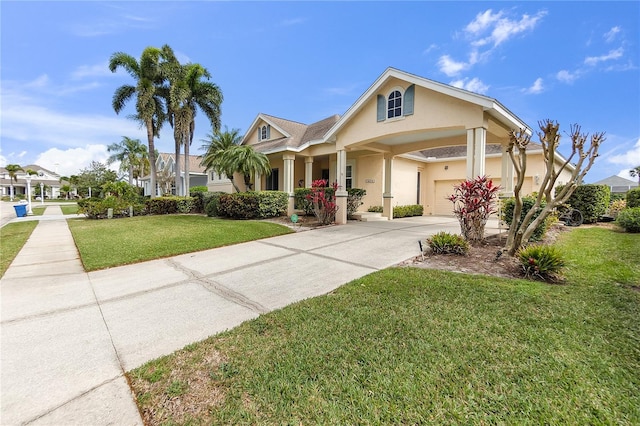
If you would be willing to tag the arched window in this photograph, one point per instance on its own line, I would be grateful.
(264, 132)
(394, 104)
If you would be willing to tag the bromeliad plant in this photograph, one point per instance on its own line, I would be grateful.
(473, 202)
(324, 204)
(541, 262)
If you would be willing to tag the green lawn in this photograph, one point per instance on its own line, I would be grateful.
(415, 346)
(107, 243)
(12, 238)
(37, 211)
(71, 209)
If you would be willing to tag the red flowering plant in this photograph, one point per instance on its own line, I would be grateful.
(323, 201)
(473, 202)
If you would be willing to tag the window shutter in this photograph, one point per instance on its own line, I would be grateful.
(269, 131)
(409, 95)
(381, 108)
(259, 133)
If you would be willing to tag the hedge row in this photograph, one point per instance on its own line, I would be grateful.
(407, 211)
(592, 201)
(249, 205)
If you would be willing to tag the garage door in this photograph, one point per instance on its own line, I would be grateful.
(443, 189)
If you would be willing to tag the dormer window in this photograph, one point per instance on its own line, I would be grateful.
(394, 104)
(397, 103)
(264, 132)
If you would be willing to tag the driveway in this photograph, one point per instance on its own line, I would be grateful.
(69, 336)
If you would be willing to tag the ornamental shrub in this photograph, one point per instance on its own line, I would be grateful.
(633, 198)
(98, 208)
(375, 209)
(272, 203)
(170, 205)
(473, 202)
(408, 211)
(616, 207)
(541, 262)
(212, 202)
(629, 219)
(354, 200)
(528, 202)
(240, 205)
(195, 189)
(323, 200)
(301, 202)
(446, 243)
(592, 201)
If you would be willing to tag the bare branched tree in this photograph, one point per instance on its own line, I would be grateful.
(584, 156)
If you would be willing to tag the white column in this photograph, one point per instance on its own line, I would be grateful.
(288, 180)
(476, 148)
(387, 196)
(341, 193)
(308, 171)
(29, 211)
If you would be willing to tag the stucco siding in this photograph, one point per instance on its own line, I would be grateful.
(432, 110)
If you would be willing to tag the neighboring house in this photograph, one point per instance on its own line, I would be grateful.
(166, 172)
(617, 184)
(44, 176)
(406, 140)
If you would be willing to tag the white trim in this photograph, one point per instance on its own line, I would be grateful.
(264, 118)
(492, 106)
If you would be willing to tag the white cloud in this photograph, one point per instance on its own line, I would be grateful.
(500, 28)
(96, 70)
(70, 161)
(625, 173)
(536, 88)
(451, 67)
(483, 21)
(566, 76)
(474, 85)
(611, 34)
(430, 48)
(630, 158)
(612, 55)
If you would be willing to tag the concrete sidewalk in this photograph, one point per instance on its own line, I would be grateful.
(68, 336)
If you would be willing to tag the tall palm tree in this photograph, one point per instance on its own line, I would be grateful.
(13, 170)
(128, 152)
(635, 172)
(215, 146)
(187, 92)
(150, 110)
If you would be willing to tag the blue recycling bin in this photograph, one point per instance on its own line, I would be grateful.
(21, 210)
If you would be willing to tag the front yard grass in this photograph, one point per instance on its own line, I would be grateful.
(115, 242)
(69, 209)
(12, 238)
(415, 346)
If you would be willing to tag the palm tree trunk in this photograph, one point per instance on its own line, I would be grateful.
(186, 167)
(152, 158)
(177, 137)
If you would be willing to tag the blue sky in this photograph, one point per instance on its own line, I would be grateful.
(574, 62)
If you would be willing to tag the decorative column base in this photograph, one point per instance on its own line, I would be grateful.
(341, 202)
(291, 207)
(387, 207)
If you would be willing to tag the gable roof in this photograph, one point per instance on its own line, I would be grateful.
(617, 181)
(490, 105)
(297, 136)
(194, 162)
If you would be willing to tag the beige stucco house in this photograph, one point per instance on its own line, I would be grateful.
(406, 140)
